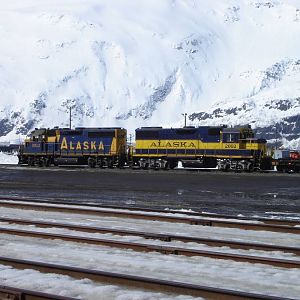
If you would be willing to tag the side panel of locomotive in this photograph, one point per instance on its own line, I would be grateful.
(203, 146)
(164, 147)
(103, 147)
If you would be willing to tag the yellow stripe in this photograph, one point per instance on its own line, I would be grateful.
(196, 144)
(191, 155)
(184, 144)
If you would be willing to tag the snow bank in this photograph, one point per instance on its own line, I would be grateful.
(206, 271)
(8, 158)
(81, 289)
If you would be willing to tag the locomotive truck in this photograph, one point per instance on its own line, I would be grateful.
(155, 147)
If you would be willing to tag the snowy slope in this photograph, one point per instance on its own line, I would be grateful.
(144, 62)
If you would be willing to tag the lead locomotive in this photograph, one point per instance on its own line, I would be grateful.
(155, 147)
(103, 147)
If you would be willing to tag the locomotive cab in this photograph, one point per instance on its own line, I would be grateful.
(231, 135)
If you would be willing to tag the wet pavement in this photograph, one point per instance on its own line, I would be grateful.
(230, 193)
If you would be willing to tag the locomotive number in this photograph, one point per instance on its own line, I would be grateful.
(230, 146)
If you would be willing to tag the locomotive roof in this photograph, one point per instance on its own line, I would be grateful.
(90, 128)
(97, 128)
(38, 131)
(236, 129)
(177, 128)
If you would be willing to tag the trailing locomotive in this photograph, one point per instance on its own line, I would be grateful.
(205, 146)
(155, 147)
(287, 161)
(103, 147)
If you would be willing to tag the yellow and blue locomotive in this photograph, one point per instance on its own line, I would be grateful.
(103, 147)
(155, 147)
(204, 146)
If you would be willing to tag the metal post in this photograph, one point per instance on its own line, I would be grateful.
(185, 114)
(70, 117)
(276, 137)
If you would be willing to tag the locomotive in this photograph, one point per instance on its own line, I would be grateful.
(204, 146)
(103, 147)
(155, 147)
(287, 161)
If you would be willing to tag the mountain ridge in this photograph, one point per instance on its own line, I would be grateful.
(144, 63)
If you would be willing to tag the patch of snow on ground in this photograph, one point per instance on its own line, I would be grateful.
(82, 289)
(265, 237)
(138, 239)
(206, 271)
(8, 158)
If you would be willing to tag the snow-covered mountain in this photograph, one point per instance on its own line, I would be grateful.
(135, 63)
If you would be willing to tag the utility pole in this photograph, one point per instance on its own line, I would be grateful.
(70, 108)
(185, 114)
(276, 137)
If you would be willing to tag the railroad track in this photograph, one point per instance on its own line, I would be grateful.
(12, 293)
(153, 217)
(150, 284)
(271, 221)
(143, 247)
(145, 283)
(157, 236)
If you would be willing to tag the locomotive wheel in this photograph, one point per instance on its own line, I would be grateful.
(173, 164)
(91, 162)
(30, 161)
(42, 162)
(110, 164)
(37, 162)
(101, 163)
(167, 166)
(250, 168)
(226, 168)
(45, 162)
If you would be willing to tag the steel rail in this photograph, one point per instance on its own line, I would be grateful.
(160, 236)
(271, 221)
(154, 217)
(139, 282)
(13, 293)
(143, 247)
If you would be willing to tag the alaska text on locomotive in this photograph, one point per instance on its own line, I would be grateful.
(86, 145)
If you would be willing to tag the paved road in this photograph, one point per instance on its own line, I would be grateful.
(230, 193)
